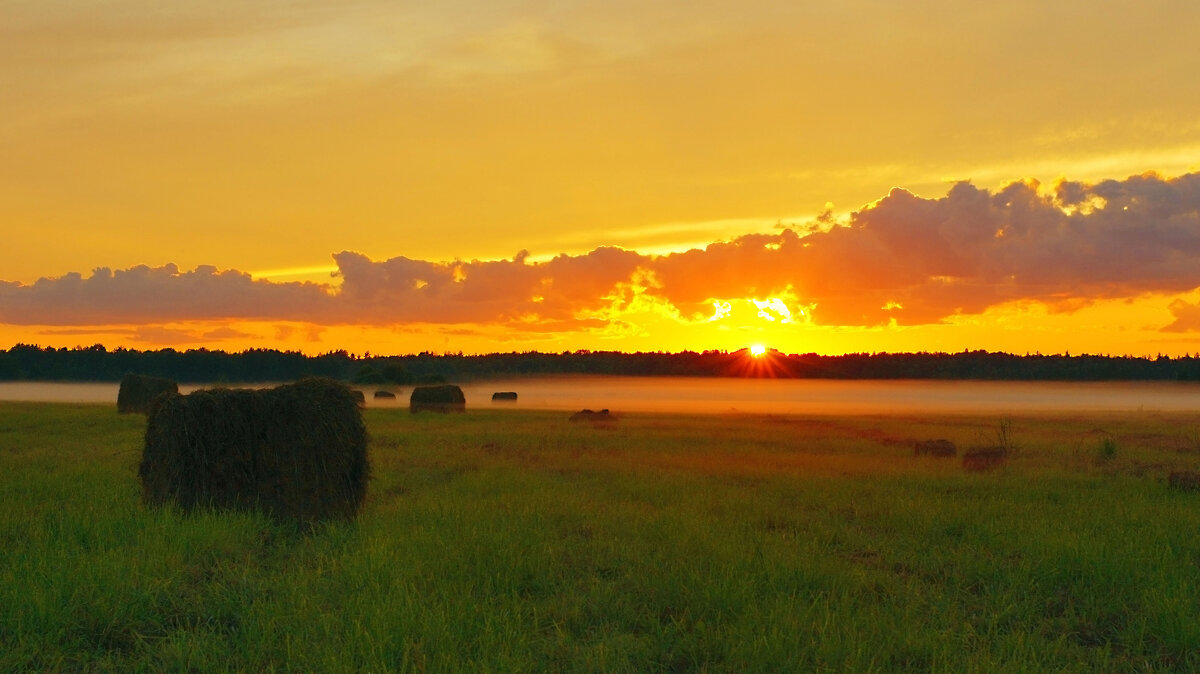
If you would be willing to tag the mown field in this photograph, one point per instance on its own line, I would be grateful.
(515, 541)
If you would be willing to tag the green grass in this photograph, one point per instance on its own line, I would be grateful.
(516, 541)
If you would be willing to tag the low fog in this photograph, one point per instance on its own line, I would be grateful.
(685, 395)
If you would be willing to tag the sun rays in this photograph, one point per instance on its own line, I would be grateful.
(757, 361)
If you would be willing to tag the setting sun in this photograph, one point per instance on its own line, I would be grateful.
(757, 350)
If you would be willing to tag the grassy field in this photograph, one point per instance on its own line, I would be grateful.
(516, 541)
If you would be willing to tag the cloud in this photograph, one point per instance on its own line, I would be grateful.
(400, 290)
(1187, 317)
(159, 294)
(166, 335)
(226, 332)
(904, 258)
(309, 331)
(920, 260)
(504, 291)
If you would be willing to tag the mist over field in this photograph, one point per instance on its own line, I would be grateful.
(693, 395)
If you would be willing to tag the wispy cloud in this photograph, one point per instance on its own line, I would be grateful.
(1187, 316)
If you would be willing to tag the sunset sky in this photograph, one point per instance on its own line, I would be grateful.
(473, 176)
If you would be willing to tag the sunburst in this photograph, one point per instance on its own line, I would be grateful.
(757, 361)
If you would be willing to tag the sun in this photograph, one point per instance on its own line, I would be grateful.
(757, 361)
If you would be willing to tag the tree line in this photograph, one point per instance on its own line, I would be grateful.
(27, 362)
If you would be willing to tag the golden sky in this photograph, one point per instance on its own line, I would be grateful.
(395, 177)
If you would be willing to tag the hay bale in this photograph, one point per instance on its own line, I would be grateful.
(937, 448)
(984, 458)
(1184, 480)
(359, 396)
(601, 417)
(298, 451)
(138, 392)
(443, 398)
(385, 395)
(504, 397)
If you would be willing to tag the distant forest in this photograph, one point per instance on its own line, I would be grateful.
(25, 362)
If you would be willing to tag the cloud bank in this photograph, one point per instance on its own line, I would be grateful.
(904, 258)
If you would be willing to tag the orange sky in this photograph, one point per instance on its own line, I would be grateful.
(830, 177)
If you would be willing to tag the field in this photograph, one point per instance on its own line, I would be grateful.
(517, 541)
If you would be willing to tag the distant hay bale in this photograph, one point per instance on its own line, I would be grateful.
(297, 452)
(601, 417)
(443, 398)
(984, 458)
(385, 395)
(504, 396)
(1184, 480)
(138, 392)
(359, 396)
(936, 448)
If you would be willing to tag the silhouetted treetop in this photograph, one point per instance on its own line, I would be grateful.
(97, 363)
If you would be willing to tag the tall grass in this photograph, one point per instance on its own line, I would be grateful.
(515, 541)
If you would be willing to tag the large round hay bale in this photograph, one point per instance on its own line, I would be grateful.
(601, 418)
(443, 398)
(504, 397)
(939, 448)
(1184, 480)
(138, 391)
(984, 458)
(297, 452)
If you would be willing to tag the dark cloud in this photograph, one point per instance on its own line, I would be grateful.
(903, 258)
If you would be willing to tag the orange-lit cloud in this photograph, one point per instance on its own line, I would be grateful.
(916, 260)
(903, 260)
(401, 290)
(1187, 316)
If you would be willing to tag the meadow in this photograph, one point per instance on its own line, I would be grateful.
(515, 541)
